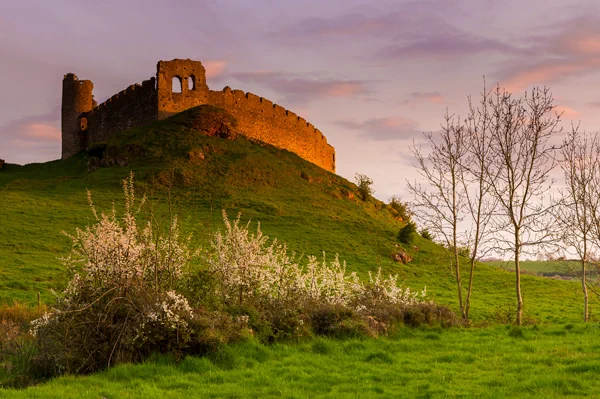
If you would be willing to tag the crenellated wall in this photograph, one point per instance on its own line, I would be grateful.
(132, 107)
(85, 123)
(260, 119)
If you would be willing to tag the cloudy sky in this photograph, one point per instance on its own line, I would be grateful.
(371, 75)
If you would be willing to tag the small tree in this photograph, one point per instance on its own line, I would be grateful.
(577, 213)
(479, 203)
(440, 204)
(518, 171)
(364, 184)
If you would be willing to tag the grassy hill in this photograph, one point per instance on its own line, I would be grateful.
(312, 210)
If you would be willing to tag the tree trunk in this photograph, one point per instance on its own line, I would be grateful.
(518, 282)
(585, 291)
(469, 290)
(459, 284)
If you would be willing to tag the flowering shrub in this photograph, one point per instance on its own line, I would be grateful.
(121, 301)
(263, 279)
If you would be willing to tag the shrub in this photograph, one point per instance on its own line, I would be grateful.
(406, 233)
(123, 302)
(337, 321)
(400, 208)
(364, 184)
(462, 251)
(426, 234)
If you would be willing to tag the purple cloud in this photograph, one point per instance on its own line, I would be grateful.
(417, 97)
(383, 129)
(413, 29)
(568, 49)
(302, 89)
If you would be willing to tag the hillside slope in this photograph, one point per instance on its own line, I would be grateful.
(310, 209)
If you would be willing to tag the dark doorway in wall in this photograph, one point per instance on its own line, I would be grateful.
(176, 84)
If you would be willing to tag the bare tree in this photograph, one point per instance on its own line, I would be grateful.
(440, 204)
(519, 171)
(480, 204)
(577, 212)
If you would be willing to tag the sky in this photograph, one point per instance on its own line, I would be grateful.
(371, 75)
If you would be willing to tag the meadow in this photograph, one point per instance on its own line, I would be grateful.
(497, 362)
(313, 211)
(546, 267)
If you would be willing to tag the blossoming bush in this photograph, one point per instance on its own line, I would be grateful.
(122, 300)
(259, 275)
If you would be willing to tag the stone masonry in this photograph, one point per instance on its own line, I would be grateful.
(84, 122)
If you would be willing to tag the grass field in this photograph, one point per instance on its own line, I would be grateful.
(312, 211)
(500, 362)
(537, 266)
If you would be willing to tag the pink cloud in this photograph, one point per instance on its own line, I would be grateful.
(594, 104)
(41, 131)
(342, 89)
(34, 138)
(580, 37)
(214, 69)
(304, 88)
(427, 97)
(567, 112)
(573, 50)
(384, 129)
(546, 72)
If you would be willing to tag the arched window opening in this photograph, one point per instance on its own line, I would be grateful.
(191, 83)
(176, 84)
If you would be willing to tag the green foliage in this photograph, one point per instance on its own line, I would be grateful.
(426, 234)
(400, 208)
(406, 234)
(364, 183)
(462, 251)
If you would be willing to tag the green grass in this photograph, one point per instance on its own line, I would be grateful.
(538, 266)
(500, 362)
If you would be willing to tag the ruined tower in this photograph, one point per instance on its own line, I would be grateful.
(190, 89)
(76, 98)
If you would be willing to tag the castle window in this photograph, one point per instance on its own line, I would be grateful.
(191, 83)
(176, 84)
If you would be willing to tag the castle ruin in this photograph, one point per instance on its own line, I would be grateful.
(84, 122)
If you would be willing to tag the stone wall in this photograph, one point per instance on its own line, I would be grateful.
(260, 119)
(192, 80)
(132, 107)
